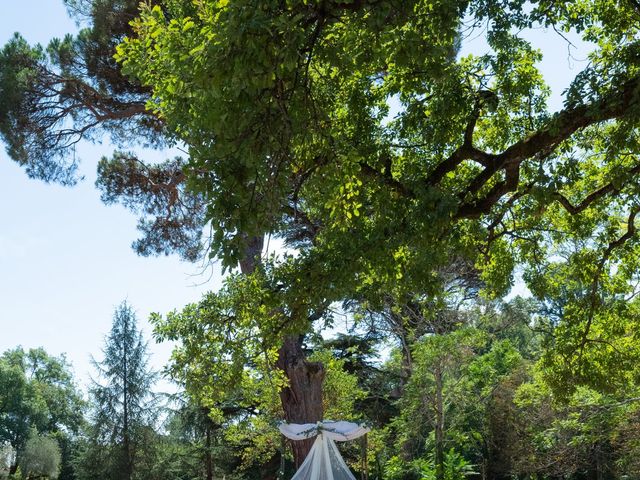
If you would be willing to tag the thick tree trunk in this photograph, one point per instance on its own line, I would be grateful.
(302, 399)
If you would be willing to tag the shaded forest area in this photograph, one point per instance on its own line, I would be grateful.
(400, 236)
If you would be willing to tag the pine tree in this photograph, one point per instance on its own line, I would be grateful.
(123, 405)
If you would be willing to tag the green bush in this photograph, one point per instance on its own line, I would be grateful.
(41, 458)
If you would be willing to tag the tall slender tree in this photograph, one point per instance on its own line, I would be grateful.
(123, 404)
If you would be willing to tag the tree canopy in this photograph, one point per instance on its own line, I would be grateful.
(285, 110)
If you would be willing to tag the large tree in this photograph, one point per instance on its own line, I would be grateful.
(284, 109)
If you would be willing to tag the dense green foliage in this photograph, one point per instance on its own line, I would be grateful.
(284, 108)
(498, 418)
(39, 401)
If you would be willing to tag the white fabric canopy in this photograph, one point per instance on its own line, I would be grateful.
(324, 461)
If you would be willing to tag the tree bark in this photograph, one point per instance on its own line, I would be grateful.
(252, 255)
(302, 398)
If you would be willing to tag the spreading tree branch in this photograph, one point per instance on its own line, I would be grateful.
(541, 144)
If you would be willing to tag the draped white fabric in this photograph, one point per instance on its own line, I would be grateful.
(324, 461)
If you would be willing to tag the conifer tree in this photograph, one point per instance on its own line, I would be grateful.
(123, 404)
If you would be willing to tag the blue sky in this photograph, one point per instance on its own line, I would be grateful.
(65, 258)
